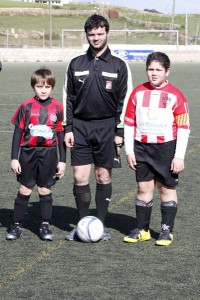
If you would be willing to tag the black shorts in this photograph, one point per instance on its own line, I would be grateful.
(94, 143)
(154, 162)
(39, 166)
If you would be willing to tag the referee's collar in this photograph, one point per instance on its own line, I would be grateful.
(104, 56)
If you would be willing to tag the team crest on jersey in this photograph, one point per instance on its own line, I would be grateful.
(109, 85)
(166, 101)
(53, 118)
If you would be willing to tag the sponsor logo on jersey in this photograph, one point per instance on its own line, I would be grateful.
(41, 130)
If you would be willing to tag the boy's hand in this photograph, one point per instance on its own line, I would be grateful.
(60, 169)
(15, 166)
(177, 165)
(131, 161)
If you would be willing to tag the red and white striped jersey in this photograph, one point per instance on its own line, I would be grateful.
(157, 113)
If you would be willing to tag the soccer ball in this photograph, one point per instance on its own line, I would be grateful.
(90, 229)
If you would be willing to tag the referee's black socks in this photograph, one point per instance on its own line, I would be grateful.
(82, 196)
(102, 199)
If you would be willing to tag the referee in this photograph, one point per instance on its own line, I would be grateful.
(97, 86)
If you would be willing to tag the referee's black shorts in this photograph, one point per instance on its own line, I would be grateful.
(39, 166)
(94, 143)
(154, 162)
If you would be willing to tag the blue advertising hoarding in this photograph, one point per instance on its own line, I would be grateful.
(133, 54)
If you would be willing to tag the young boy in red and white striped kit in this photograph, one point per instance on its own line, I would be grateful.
(156, 132)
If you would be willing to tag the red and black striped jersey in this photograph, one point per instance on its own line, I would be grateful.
(40, 123)
(157, 114)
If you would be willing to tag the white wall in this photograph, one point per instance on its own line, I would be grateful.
(65, 54)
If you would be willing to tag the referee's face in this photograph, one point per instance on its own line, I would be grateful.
(97, 39)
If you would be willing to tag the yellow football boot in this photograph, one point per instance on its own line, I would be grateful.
(137, 235)
(165, 238)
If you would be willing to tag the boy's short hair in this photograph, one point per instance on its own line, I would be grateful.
(96, 21)
(43, 75)
(161, 57)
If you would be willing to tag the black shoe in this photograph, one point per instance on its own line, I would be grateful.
(45, 232)
(72, 235)
(15, 232)
(106, 235)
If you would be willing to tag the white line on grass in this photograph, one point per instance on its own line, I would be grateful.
(50, 250)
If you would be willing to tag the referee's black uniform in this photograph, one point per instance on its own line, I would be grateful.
(97, 88)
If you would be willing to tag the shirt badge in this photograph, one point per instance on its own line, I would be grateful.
(166, 101)
(109, 85)
(53, 118)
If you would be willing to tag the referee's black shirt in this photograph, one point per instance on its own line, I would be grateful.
(96, 87)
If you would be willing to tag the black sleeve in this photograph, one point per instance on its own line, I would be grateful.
(17, 135)
(70, 98)
(61, 146)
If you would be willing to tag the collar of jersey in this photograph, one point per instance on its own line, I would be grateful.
(104, 56)
(43, 102)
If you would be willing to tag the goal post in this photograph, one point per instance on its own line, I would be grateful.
(76, 37)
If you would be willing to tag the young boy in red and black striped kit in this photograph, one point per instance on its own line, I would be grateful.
(38, 132)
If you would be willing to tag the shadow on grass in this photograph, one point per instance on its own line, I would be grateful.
(65, 218)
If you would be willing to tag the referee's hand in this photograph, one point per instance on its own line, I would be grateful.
(69, 139)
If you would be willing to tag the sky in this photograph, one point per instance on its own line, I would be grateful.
(163, 6)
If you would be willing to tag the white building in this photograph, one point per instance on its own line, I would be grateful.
(61, 2)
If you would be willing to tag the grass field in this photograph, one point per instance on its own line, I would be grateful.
(36, 270)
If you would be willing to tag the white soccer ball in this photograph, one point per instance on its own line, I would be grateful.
(90, 229)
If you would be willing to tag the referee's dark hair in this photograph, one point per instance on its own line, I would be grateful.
(96, 21)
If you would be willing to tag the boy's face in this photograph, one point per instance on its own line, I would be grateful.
(42, 90)
(97, 39)
(157, 74)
